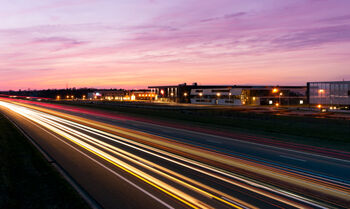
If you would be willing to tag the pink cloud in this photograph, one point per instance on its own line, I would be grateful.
(186, 41)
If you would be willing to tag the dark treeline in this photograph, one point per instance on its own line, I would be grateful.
(53, 93)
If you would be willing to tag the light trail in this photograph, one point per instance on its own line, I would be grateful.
(217, 170)
(62, 127)
(170, 190)
(145, 164)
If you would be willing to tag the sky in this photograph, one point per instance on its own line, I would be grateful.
(138, 43)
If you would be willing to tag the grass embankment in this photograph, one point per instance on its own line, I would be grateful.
(27, 180)
(323, 132)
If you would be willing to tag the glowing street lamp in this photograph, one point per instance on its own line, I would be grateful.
(218, 94)
(274, 90)
(58, 97)
(185, 94)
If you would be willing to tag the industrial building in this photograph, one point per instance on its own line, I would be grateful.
(115, 94)
(232, 95)
(123, 95)
(329, 94)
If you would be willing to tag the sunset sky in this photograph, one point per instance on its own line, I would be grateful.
(136, 43)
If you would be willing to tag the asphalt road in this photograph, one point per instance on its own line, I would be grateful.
(130, 164)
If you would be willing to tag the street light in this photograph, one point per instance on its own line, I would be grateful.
(279, 98)
(185, 94)
(58, 97)
(274, 90)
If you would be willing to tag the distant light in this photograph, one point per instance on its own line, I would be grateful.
(274, 90)
(270, 102)
(301, 102)
(162, 92)
(171, 94)
(319, 106)
(185, 94)
(58, 97)
(321, 91)
(277, 104)
(201, 94)
(218, 94)
(281, 93)
(254, 98)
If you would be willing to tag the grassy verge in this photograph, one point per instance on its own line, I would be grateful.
(323, 132)
(27, 180)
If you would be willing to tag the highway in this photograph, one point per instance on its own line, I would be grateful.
(124, 163)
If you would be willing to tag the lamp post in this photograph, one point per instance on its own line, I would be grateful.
(274, 91)
(200, 96)
(279, 97)
(321, 93)
(218, 96)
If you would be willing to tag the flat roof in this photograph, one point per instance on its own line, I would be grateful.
(329, 82)
(225, 86)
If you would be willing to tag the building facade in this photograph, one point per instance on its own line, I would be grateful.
(232, 95)
(334, 93)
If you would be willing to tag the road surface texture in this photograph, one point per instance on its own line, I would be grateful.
(124, 163)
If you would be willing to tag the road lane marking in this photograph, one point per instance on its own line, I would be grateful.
(293, 158)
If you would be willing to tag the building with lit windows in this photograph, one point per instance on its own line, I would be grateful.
(232, 95)
(329, 94)
(107, 95)
(143, 95)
